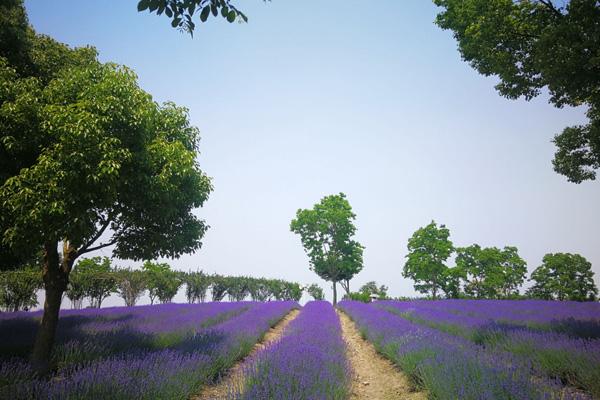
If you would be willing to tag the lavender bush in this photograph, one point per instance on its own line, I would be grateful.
(447, 366)
(309, 362)
(555, 349)
(149, 352)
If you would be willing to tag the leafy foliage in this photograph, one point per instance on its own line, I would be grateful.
(196, 285)
(96, 279)
(428, 249)
(564, 276)
(371, 289)
(131, 285)
(181, 12)
(490, 272)
(326, 233)
(163, 282)
(315, 291)
(18, 289)
(531, 45)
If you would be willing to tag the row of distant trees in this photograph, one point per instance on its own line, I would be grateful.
(491, 272)
(94, 279)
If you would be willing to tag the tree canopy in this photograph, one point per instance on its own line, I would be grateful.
(326, 232)
(428, 249)
(491, 272)
(88, 160)
(534, 45)
(564, 276)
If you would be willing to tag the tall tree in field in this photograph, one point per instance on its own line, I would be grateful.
(564, 276)
(326, 233)
(535, 44)
(428, 250)
(88, 160)
(491, 272)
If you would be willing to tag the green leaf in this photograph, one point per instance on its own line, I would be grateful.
(204, 13)
(176, 21)
(168, 12)
(224, 12)
(231, 16)
(214, 10)
(143, 4)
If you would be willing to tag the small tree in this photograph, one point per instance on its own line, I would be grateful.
(196, 285)
(18, 289)
(76, 289)
(428, 250)
(370, 288)
(131, 284)
(97, 278)
(564, 276)
(237, 288)
(315, 291)
(326, 233)
(218, 288)
(259, 290)
(163, 282)
(292, 291)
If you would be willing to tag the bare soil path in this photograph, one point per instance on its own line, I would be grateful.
(235, 375)
(375, 378)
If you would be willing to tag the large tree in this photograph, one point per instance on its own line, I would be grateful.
(491, 272)
(88, 160)
(326, 232)
(564, 276)
(428, 249)
(535, 44)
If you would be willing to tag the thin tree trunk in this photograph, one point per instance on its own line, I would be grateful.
(334, 293)
(55, 283)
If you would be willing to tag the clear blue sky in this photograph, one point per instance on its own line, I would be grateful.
(312, 98)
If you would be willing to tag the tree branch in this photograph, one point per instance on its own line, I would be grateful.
(84, 248)
(100, 246)
(551, 7)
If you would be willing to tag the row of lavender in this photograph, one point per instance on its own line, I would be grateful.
(452, 366)
(561, 339)
(308, 362)
(149, 352)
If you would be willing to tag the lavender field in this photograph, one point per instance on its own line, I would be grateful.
(448, 349)
(466, 349)
(147, 352)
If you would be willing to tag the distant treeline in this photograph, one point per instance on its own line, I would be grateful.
(94, 279)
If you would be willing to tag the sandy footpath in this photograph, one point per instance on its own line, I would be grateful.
(375, 378)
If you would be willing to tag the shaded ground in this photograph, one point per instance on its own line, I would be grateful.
(235, 374)
(375, 378)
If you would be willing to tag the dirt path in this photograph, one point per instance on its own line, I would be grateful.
(375, 378)
(235, 375)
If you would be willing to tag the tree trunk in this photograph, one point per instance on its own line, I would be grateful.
(55, 283)
(334, 293)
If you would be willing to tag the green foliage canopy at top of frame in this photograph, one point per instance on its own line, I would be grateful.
(537, 44)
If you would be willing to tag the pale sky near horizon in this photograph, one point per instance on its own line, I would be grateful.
(311, 98)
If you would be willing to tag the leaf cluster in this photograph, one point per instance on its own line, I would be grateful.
(181, 12)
